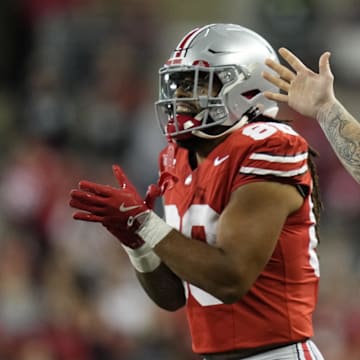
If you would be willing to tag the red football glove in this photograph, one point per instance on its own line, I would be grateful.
(120, 210)
(126, 215)
(166, 181)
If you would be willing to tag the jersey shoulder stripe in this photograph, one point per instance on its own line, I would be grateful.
(273, 172)
(279, 159)
(272, 149)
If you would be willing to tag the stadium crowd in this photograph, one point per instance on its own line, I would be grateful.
(77, 84)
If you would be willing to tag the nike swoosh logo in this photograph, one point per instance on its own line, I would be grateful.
(219, 160)
(124, 208)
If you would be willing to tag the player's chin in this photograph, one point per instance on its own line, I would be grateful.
(182, 139)
(192, 142)
(187, 143)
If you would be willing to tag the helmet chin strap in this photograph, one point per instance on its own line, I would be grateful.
(238, 125)
(250, 114)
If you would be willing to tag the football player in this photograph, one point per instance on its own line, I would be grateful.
(312, 94)
(238, 246)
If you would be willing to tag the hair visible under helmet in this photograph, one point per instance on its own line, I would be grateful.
(231, 54)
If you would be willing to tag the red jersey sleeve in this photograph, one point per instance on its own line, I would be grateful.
(275, 152)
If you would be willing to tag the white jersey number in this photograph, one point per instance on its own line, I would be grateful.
(260, 131)
(198, 215)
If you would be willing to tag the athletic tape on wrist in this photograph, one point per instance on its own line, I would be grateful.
(143, 259)
(153, 230)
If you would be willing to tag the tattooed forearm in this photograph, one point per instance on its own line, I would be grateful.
(343, 133)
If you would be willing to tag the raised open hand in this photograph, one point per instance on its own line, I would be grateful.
(303, 90)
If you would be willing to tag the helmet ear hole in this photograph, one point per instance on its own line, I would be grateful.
(251, 93)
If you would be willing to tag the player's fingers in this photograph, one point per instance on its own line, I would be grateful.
(87, 197)
(276, 96)
(87, 217)
(292, 60)
(93, 209)
(98, 189)
(122, 179)
(281, 70)
(153, 191)
(280, 83)
(120, 176)
(324, 64)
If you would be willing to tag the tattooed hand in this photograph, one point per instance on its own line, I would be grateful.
(312, 94)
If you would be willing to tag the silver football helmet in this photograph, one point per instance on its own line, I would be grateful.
(229, 54)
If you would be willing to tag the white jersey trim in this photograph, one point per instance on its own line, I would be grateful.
(279, 159)
(261, 171)
(312, 352)
(300, 351)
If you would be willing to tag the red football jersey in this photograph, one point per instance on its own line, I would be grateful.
(279, 306)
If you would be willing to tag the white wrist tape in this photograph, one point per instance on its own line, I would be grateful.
(143, 259)
(153, 229)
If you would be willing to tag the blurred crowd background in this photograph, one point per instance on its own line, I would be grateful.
(78, 79)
